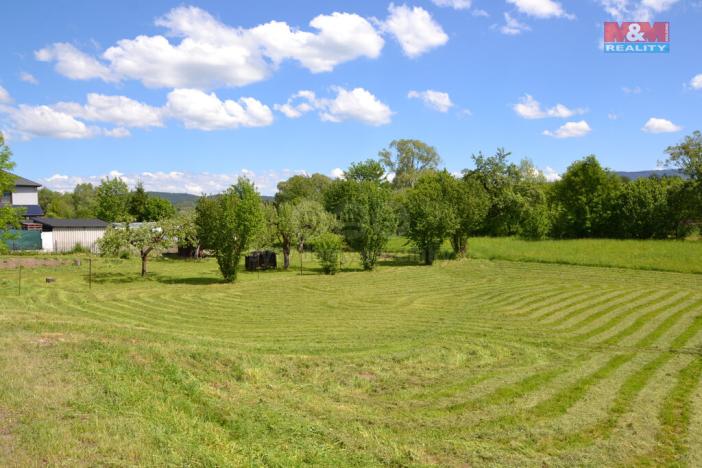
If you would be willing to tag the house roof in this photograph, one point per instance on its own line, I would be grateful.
(30, 210)
(22, 182)
(71, 223)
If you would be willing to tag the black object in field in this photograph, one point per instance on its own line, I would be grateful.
(261, 260)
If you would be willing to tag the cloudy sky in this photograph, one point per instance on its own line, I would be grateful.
(187, 96)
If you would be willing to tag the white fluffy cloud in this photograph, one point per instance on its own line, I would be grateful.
(455, 4)
(356, 104)
(73, 63)
(696, 82)
(177, 182)
(43, 121)
(656, 125)
(119, 110)
(414, 29)
(202, 111)
(513, 26)
(550, 174)
(4, 96)
(530, 108)
(198, 51)
(541, 8)
(28, 78)
(642, 10)
(342, 37)
(570, 130)
(436, 100)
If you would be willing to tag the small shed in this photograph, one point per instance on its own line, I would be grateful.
(64, 235)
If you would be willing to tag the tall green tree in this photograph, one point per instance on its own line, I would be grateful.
(138, 203)
(408, 159)
(280, 221)
(470, 203)
(113, 200)
(229, 223)
(368, 219)
(369, 170)
(309, 220)
(84, 199)
(431, 215)
(301, 187)
(157, 209)
(585, 198)
(687, 156)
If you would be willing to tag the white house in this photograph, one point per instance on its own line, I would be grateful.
(25, 194)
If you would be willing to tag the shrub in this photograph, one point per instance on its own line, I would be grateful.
(328, 251)
(79, 249)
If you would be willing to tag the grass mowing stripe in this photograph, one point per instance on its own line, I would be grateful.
(634, 383)
(671, 448)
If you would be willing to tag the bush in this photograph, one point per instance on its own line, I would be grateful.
(328, 251)
(79, 249)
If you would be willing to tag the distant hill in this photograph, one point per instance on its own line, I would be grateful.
(184, 201)
(655, 173)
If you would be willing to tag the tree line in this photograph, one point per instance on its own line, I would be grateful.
(405, 192)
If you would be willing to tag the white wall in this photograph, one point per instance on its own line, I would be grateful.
(65, 239)
(25, 196)
(47, 241)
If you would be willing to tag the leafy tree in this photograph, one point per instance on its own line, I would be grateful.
(113, 200)
(55, 204)
(301, 187)
(84, 201)
(281, 222)
(327, 247)
(229, 223)
(9, 217)
(309, 220)
(687, 156)
(408, 159)
(158, 208)
(585, 195)
(500, 179)
(368, 219)
(431, 215)
(369, 170)
(185, 232)
(470, 203)
(138, 203)
(145, 240)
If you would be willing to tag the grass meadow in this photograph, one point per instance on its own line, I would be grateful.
(483, 361)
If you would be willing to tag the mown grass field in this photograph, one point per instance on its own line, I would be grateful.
(469, 362)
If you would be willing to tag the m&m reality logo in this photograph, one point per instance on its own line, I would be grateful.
(637, 37)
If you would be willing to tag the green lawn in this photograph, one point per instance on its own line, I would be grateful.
(664, 255)
(469, 362)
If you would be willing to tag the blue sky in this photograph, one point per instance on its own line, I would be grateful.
(187, 96)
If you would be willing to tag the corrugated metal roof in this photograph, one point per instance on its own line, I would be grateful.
(71, 223)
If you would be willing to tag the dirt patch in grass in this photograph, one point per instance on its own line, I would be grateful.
(11, 263)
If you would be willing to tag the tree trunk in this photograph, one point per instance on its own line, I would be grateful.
(144, 258)
(428, 256)
(286, 255)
